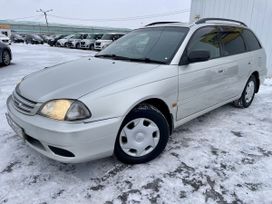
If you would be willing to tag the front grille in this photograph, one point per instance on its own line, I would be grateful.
(5, 41)
(24, 105)
(82, 43)
(98, 43)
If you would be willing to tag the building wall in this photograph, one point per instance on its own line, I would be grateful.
(257, 14)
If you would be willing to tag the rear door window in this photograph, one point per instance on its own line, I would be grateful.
(232, 41)
(251, 41)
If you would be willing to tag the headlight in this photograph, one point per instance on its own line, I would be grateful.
(70, 110)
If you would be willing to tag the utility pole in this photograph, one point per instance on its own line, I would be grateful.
(45, 16)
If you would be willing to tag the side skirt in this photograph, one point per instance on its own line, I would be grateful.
(195, 115)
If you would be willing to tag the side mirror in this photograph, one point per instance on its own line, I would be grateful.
(198, 56)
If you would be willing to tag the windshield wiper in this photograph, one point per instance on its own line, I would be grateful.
(113, 56)
(147, 60)
(116, 57)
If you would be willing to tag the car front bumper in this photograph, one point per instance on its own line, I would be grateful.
(71, 45)
(98, 47)
(69, 142)
(84, 46)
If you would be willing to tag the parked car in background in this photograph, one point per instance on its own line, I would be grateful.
(5, 54)
(53, 41)
(106, 40)
(63, 42)
(45, 38)
(129, 98)
(88, 43)
(5, 39)
(33, 39)
(74, 42)
(16, 38)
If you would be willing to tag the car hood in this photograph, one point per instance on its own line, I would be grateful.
(88, 40)
(63, 40)
(104, 41)
(77, 78)
(4, 38)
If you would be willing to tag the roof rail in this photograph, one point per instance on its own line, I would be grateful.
(204, 20)
(162, 22)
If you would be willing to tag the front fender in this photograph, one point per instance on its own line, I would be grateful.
(119, 104)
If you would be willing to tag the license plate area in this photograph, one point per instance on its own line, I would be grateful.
(16, 128)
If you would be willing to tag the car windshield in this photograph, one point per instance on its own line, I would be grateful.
(37, 37)
(17, 35)
(91, 36)
(154, 45)
(97, 36)
(107, 37)
(69, 36)
(57, 36)
(76, 37)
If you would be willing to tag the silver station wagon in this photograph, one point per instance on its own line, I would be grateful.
(127, 100)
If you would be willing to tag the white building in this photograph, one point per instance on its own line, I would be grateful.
(257, 14)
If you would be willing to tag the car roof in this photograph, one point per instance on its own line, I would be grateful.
(200, 23)
(114, 33)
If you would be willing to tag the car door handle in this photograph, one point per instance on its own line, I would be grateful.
(220, 71)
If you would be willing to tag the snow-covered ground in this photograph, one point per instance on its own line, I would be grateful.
(222, 157)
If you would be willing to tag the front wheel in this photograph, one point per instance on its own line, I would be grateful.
(248, 94)
(6, 58)
(143, 135)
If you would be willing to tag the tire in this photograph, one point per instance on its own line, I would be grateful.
(147, 131)
(91, 47)
(248, 94)
(6, 58)
(77, 46)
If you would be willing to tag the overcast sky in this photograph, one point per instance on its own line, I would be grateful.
(97, 9)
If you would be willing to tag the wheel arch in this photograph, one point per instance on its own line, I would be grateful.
(161, 105)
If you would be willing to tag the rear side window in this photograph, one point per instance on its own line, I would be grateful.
(251, 41)
(232, 41)
(207, 39)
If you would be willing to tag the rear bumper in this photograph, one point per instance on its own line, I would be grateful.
(86, 141)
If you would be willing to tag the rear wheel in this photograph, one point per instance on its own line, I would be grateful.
(248, 94)
(6, 58)
(143, 135)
